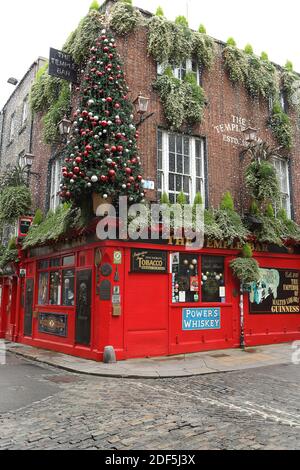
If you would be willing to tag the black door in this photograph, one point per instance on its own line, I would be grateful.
(83, 307)
(28, 308)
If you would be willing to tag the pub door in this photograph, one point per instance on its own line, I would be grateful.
(28, 311)
(83, 307)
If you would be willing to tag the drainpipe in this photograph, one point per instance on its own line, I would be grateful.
(242, 318)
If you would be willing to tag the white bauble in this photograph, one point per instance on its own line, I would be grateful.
(94, 179)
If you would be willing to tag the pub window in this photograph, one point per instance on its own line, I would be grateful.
(24, 111)
(187, 66)
(282, 171)
(185, 280)
(190, 284)
(212, 280)
(56, 166)
(56, 282)
(180, 165)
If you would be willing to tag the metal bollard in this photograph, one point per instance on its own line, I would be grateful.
(109, 356)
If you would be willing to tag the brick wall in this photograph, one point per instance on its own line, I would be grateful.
(224, 101)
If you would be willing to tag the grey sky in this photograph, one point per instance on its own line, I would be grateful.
(28, 28)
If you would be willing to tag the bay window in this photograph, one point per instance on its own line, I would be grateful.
(56, 281)
(180, 165)
(281, 166)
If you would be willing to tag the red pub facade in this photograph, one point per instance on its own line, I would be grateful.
(158, 299)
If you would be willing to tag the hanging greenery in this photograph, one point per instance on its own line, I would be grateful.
(229, 221)
(160, 39)
(203, 48)
(15, 176)
(281, 126)
(262, 182)
(261, 78)
(55, 225)
(291, 85)
(9, 254)
(56, 112)
(235, 62)
(246, 270)
(52, 95)
(212, 230)
(81, 40)
(183, 101)
(14, 202)
(124, 18)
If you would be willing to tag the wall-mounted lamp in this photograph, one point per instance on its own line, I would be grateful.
(141, 104)
(64, 126)
(12, 81)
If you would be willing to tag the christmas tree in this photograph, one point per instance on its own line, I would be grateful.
(101, 155)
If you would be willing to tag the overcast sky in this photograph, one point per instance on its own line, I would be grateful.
(29, 27)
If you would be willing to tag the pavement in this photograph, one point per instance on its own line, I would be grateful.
(185, 365)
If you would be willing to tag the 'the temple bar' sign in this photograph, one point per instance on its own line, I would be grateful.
(61, 65)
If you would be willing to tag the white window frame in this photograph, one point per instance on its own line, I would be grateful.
(24, 111)
(281, 166)
(55, 180)
(12, 127)
(177, 70)
(192, 176)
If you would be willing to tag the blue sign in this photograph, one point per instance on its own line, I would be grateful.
(194, 319)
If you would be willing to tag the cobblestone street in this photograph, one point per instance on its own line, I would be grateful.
(252, 409)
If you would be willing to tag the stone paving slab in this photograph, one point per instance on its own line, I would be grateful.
(163, 367)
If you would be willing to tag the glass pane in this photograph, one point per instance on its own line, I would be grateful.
(198, 167)
(212, 278)
(159, 160)
(43, 264)
(186, 184)
(185, 285)
(159, 139)
(172, 162)
(159, 180)
(172, 143)
(198, 149)
(186, 146)
(198, 185)
(179, 164)
(43, 289)
(171, 182)
(178, 183)
(54, 262)
(186, 165)
(179, 144)
(55, 288)
(172, 198)
(69, 260)
(68, 285)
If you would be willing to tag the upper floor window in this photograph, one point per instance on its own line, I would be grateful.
(12, 128)
(282, 170)
(180, 165)
(55, 182)
(24, 111)
(188, 66)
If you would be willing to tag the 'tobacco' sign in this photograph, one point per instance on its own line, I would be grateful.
(61, 65)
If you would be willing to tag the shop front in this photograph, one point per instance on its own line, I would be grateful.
(148, 299)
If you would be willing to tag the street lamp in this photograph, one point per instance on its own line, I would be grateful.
(141, 104)
(64, 126)
(250, 134)
(28, 162)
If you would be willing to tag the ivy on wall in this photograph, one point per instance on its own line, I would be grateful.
(14, 202)
(52, 95)
(280, 124)
(291, 85)
(124, 18)
(183, 101)
(257, 74)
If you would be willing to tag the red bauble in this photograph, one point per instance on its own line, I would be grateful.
(139, 177)
(103, 178)
(120, 148)
(113, 148)
(109, 99)
(119, 135)
(88, 147)
(78, 159)
(128, 171)
(112, 173)
(117, 106)
(105, 49)
(84, 113)
(131, 179)
(103, 123)
(76, 169)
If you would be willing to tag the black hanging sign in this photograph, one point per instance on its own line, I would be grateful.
(277, 292)
(148, 261)
(62, 65)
